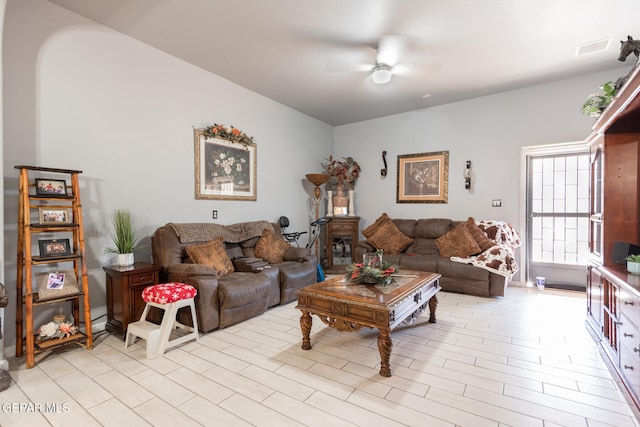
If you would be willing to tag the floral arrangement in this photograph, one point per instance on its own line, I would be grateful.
(228, 133)
(360, 273)
(53, 330)
(345, 171)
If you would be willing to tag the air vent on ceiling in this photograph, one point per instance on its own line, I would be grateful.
(592, 47)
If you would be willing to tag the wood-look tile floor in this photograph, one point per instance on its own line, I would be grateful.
(522, 360)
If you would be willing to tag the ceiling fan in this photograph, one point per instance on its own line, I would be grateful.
(391, 59)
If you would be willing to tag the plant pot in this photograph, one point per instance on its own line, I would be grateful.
(125, 260)
(633, 267)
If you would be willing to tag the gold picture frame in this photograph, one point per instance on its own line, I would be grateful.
(423, 178)
(224, 170)
(49, 215)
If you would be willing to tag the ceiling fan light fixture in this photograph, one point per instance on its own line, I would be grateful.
(381, 74)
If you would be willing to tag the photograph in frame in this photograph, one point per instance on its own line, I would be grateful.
(224, 170)
(54, 248)
(51, 187)
(55, 215)
(56, 284)
(423, 178)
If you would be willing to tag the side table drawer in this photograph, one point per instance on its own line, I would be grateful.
(341, 227)
(142, 279)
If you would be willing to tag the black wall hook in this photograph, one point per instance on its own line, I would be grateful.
(383, 171)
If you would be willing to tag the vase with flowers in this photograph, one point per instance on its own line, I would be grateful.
(343, 176)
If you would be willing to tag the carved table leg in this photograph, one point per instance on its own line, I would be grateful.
(384, 346)
(433, 304)
(305, 326)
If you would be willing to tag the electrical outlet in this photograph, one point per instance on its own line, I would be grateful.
(496, 203)
(215, 214)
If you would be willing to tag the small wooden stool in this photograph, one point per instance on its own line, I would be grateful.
(169, 297)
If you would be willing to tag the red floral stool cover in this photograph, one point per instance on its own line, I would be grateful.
(167, 293)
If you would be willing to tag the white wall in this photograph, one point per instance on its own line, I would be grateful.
(81, 96)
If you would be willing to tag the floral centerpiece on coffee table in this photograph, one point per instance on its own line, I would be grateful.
(360, 273)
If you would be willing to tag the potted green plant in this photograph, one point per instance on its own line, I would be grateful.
(598, 102)
(633, 264)
(124, 237)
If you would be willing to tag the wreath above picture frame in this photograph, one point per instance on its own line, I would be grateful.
(225, 164)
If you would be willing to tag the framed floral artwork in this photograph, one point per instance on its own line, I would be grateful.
(423, 178)
(225, 164)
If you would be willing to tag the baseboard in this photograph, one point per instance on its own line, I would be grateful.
(579, 288)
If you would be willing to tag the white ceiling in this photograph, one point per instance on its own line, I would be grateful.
(309, 54)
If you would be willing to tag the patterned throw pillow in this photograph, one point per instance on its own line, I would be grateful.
(478, 235)
(270, 248)
(384, 234)
(212, 254)
(457, 242)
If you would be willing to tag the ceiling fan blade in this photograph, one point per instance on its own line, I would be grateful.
(416, 69)
(347, 64)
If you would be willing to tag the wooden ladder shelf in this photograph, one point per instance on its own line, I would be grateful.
(31, 204)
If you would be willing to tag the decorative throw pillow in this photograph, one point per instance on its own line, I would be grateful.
(457, 242)
(478, 235)
(384, 234)
(370, 230)
(212, 254)
(270, 248)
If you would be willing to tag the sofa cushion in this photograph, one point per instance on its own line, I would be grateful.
(213, 254)
(478, 235)
(432, 228)
(457, 242)
(384, 234)
(270, 248)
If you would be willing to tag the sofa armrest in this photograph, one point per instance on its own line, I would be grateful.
(295, 253)
(180, 272)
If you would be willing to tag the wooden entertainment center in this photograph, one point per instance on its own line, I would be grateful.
(613, 295)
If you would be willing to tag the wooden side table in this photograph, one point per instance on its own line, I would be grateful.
(124, 293)
(340, 232)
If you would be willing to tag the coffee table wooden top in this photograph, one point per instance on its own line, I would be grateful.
(380, 305)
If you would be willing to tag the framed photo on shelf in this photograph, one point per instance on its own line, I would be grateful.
(54, 248)
(56, 284)
(51, 187)
(224, 170)
(55, 216)
(423, 178)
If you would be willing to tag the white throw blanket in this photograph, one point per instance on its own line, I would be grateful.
(500, 258)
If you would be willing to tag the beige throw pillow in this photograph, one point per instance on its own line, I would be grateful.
(478, 235)
(270, 248)
(457, 242)
(212, 254)
(384, 234)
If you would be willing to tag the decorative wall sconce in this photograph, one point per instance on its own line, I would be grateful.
(467, 175)
(383, 171)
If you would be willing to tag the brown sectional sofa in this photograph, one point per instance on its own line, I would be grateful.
(422, 254)
(249, 290)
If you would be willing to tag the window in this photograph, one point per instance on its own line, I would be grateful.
(559, 208)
